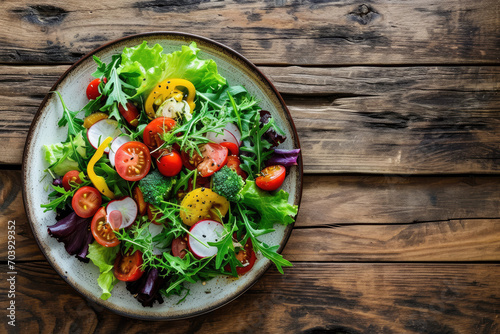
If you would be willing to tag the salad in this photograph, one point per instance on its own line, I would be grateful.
(168, 175)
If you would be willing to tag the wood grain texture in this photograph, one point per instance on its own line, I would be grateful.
(277, 32)
(405, 120)
(356, 218)
(309, 298)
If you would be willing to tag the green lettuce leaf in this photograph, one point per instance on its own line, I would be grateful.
(273, 208)
(62, 157)
(103, 258)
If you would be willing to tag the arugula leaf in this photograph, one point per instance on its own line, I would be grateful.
(103, 258)
(75, 125)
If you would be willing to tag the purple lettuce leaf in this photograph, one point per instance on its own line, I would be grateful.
(286, 158)
(75, 233)
(270, 135)
(147, 288)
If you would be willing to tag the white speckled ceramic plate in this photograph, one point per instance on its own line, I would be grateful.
(82, 276)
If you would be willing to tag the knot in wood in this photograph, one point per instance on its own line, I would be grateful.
(363, 14)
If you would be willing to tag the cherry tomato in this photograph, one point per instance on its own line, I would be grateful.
(131, 115)
(86, 201)
(154, 129)
(71, 176)
(191, 162)
(271, 178)
(179, 246)
(170, 163)
(234, 163)
(127, 267)
(139, 199)
(132, 161)
(232, 147)
(101, 230)
(247, 258)
(214, 158)
(93, 89)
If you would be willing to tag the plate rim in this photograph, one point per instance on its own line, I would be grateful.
(24, 170)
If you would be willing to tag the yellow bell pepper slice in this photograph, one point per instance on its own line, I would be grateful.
(165, 90)
(203, 203)
(97, 180)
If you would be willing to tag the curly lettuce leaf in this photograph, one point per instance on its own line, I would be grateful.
(62, 157)
(273, 208)
(103, 258)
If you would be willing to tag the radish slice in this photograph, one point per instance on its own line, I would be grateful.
(226, 137)
(234, 131)
(101, 130)
(206, 231)
(128, 209)
(115, 145)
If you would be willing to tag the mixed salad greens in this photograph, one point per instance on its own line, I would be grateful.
(168, 175)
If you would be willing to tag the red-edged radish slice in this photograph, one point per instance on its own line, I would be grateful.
(234, 131)
(115, 145)
(205, 231)
(115, 218)
(226, 137)
(101, 130)
(128, 209)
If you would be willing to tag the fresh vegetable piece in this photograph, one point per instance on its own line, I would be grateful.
(102, 230)
(247, 258)
(154, 129)
(139, 200)
(147, 288)
(202, 203)
(127, 267)
(271, 135)
(133, 161)
(175, 107)
(74, 232)
(285, 158)
(226, 136)
(190, 162)
(170, 163)
(71, 178)
(97, 180)
(214, 158)
(155, 187)
(63, 157)
(233, 129)
(104, 258)
(127, 209)
(93, 118)
(201, 234)
(179, 246)
(234, 163)
(231, 147)
(101, 130)
(271, 178)
(86, 201)
(163, 91)
(115, 145)
(93, 89)
(130, 113)
(154, 214)
(75, 124)
(227, 183)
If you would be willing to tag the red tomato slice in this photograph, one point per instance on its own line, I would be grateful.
(127, 267)
(131, 115)
(71, 176)
(102, 231)
(214, 158)
(179, 246)
(170, 163)
(86, 201)
(154, 129)
(133, 161)
(234, 163)
(232, 147)
(93, 89)
(271, 178)
(247, 258)
(191, 162)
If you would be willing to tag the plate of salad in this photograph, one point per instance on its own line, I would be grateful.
(162, 175)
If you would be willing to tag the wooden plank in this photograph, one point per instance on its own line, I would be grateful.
(408, 120)
(283, 32)
(312, 297)
(355, 218)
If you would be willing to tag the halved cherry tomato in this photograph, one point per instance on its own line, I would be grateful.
(232, 147)
(170, 163)
(154, 129)
(191, 162)
(131, 115)
(214, 158)
(127, 267)
(93, 89)
(234, 163)
(247, 258)
(133, 161)
(86, 201)
(179, 246)
(71, 176)
(139, 199)
(101, 230)
(271, 178)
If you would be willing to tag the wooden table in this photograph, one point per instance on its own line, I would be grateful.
(397, 107)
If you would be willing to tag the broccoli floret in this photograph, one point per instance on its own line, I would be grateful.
(155, 187)
(227, 183)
